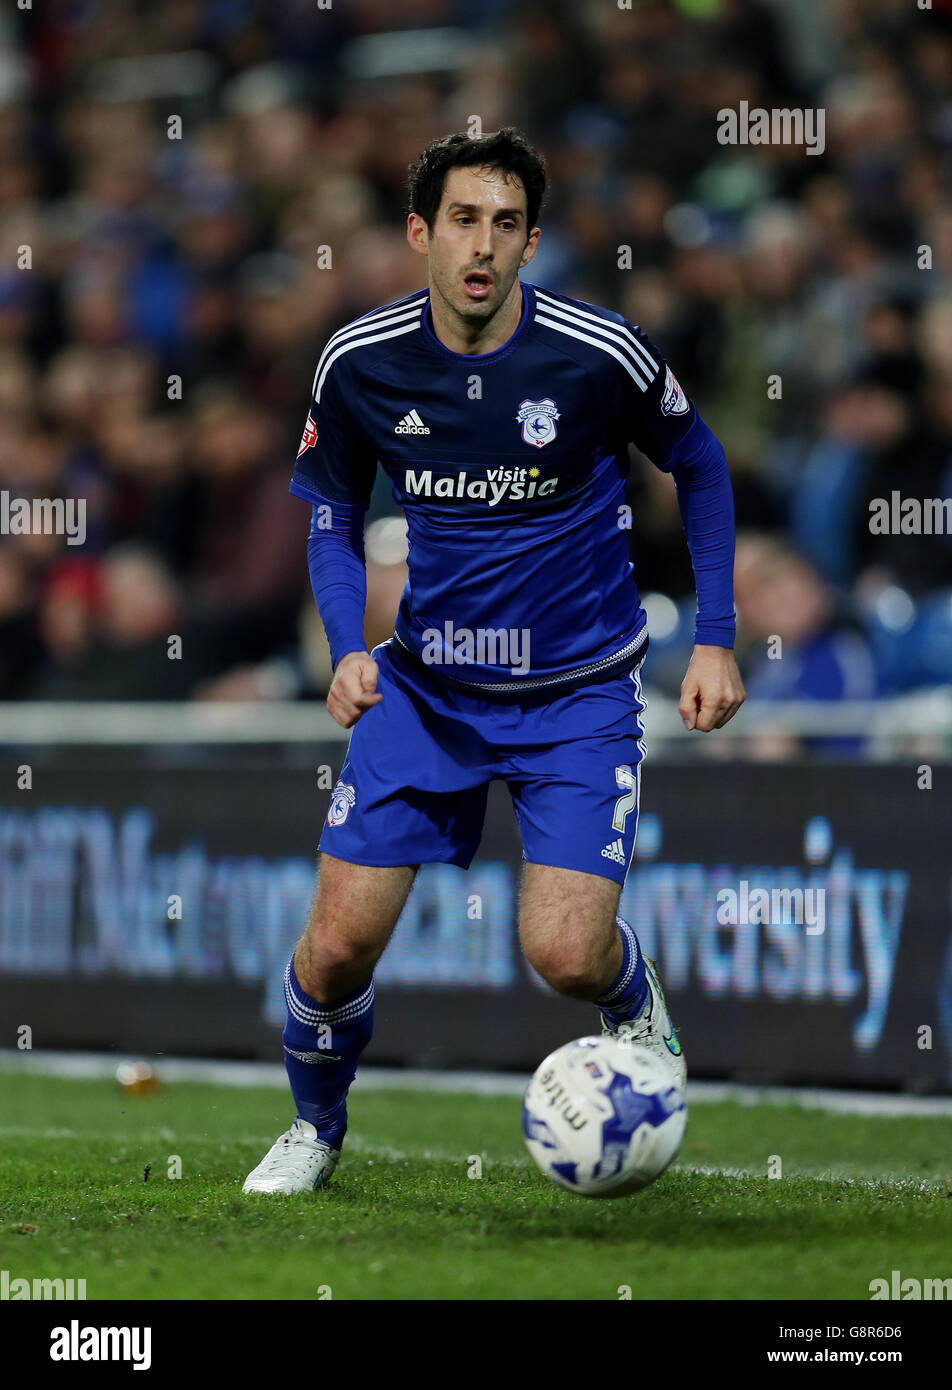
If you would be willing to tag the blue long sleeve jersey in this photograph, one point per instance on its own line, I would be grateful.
(510, 467)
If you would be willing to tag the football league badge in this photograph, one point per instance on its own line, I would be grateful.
(538, 421)
(674, 401)
(309, 437)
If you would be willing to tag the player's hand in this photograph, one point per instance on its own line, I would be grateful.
(712, 691)
(354, 688)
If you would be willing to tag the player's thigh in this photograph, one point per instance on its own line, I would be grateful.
(575, 779)
(566, 917)
(356, 906)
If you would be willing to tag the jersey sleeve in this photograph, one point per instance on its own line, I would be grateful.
(655, 412)
(335, 557)
(336, 461)
(661, 420)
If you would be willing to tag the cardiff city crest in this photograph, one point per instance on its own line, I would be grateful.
(538, 421)
(342, 798)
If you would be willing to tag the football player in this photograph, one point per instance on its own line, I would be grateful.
(502, 414)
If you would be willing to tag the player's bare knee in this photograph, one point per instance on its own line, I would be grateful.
(330, 965)
(570, 972)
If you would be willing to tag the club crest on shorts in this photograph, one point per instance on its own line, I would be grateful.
(674, 401)
(309, 437)
(538, 421)
(342, 798)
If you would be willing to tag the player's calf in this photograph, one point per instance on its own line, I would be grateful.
(633, 1008)
(330, 1017)
(573, 936)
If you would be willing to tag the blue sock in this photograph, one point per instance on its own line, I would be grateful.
(625, 997)
(322, 1046)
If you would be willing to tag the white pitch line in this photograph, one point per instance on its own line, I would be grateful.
(882, 1103)
(365, 1151)
(129, 1137)
(357, 1144)
(904, 1184)
(95, 1065)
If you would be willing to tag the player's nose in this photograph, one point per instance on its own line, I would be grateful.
(483, 243)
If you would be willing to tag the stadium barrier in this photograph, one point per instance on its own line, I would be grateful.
(152, 886)
(924, 713)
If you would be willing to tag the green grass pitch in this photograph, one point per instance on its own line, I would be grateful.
(403, 1219)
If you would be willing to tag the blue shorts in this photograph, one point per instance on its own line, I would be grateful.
(415, 778)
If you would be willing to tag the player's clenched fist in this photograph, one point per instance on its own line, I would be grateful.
(354, 688)
(712, 691)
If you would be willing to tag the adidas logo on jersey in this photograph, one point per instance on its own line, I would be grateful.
(411, 424)
(615, 851)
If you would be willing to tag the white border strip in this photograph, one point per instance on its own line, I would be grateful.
(96, 1065)
(307, 721)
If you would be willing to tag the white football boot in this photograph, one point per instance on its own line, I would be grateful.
(653, 1029)
(297, 1162)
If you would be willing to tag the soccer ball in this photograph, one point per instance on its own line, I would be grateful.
(602, 1117)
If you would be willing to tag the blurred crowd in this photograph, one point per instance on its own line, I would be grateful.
(169, 174)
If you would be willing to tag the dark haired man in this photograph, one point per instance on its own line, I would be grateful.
(502, 414)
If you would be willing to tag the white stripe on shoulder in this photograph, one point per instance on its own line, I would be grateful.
(409, 301)
(329, 358)
(640, 381)
(391, 313)
(380, 318)
(618, 332)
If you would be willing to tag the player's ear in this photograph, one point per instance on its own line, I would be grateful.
(530, 247)
(417, 233)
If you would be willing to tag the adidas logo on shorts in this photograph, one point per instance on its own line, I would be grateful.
(411, 424)
(615, 851)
